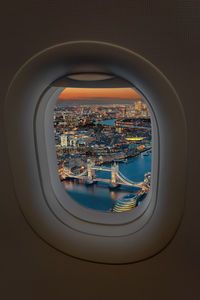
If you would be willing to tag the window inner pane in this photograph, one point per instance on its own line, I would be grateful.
(103, 144)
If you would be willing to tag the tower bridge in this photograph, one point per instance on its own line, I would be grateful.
(89, 176)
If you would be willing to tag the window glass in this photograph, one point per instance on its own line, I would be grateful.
(103, 143)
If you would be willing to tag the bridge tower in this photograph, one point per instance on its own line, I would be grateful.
(66, 171)
(114, 173)
(90, 171)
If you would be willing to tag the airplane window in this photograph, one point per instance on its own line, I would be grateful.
(96, 161)
(103, 140)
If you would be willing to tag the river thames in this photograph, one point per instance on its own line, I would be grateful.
(100, 196)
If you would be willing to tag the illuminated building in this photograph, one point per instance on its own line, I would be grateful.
(138, 106)
(119, 129)
(64, 140)
(125, 203)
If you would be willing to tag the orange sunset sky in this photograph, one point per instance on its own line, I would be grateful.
(95, 93)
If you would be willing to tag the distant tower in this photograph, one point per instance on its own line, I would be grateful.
(138, 106)
(64, 140)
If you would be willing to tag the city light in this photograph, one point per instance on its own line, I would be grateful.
(103, 150)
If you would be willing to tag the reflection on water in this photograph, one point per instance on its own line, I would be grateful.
(100, 196)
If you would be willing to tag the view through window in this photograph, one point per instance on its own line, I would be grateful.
(103, 149)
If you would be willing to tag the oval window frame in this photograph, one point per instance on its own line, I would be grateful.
(45, 140)
(118, 242)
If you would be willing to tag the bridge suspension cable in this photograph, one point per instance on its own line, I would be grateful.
(101, 169)
(126, 180)
(73, 175)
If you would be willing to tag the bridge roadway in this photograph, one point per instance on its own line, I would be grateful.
(121, 179)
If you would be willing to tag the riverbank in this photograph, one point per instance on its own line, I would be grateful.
(126, 157)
